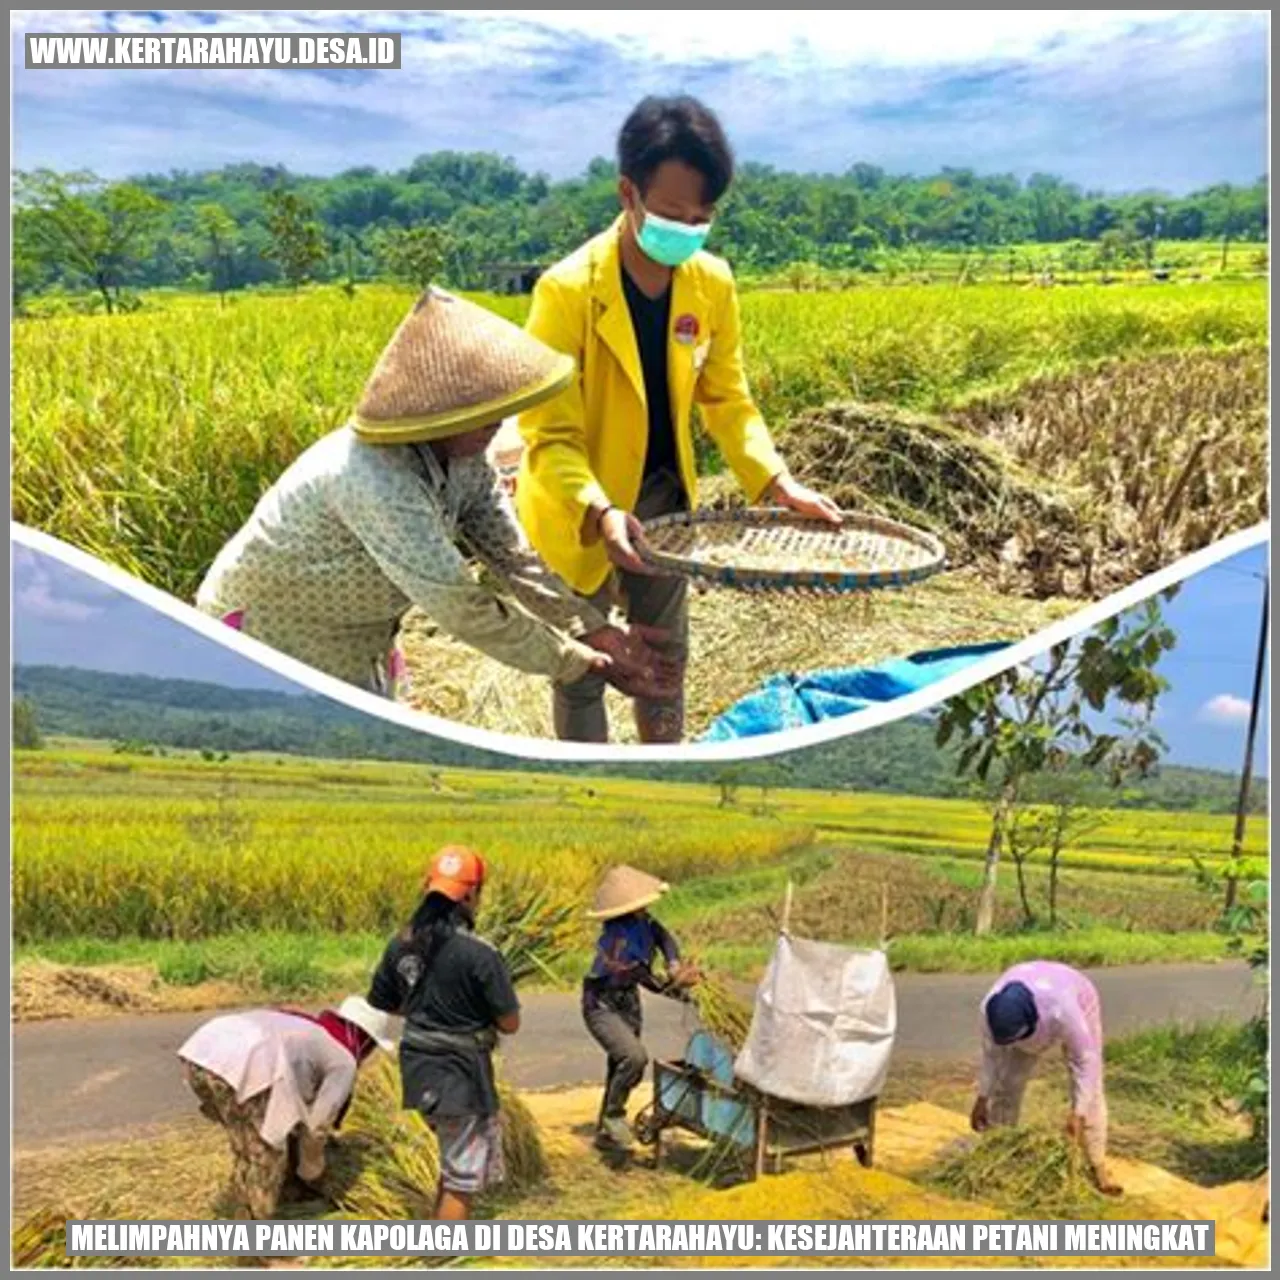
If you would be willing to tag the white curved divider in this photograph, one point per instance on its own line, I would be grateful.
(550, 749)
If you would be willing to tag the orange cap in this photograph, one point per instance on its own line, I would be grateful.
(455, 871)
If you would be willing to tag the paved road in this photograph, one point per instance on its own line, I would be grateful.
(84, 1080)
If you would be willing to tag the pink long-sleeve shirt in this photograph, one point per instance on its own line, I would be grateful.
(1069, 1014)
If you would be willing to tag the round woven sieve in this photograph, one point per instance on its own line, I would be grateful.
(774, 549)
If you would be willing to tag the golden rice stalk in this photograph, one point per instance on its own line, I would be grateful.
(722, 1013)
(1026, 1171)
(40, 1241)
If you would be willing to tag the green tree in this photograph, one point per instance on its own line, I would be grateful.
(1028, 719)
(28, 270)
(26, 725)
(95, 229)
(297, 239)
(413, 254)
(219, 231)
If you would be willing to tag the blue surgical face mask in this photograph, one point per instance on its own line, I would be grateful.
(667, 242)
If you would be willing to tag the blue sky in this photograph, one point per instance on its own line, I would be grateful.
(1112, 99)
(63, 617)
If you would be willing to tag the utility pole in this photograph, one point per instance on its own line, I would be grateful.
(1246, 774)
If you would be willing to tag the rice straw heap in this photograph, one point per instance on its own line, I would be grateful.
(1026, 1171)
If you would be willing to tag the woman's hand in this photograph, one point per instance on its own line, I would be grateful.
(630, 662)
(979, 1117)
(685, 974)
(790, 493)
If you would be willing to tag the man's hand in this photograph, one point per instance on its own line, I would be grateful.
(790, 493)
(1073, 1128)
(621, 533)
(630, 663)
(979, 1119)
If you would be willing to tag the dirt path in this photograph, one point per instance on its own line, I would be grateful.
(85, 1080)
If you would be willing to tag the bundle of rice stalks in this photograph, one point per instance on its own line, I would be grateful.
(722, 1013)
(1025, 1171)
(40, 1241)
(533, 926)
(522, 1150)
(397, 1158)
(926, 472)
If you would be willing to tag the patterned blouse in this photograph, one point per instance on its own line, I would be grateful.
(353, 534)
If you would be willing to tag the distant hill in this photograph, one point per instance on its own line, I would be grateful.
(900, 757)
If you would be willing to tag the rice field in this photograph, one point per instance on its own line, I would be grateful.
(154, 852)
(113, 849)
(147, 438)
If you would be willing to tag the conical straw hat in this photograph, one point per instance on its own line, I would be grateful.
(625, 889)
(452, 366)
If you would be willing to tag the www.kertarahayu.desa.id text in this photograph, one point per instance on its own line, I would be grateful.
(46, 51)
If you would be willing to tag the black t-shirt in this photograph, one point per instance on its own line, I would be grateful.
(467, 989)
(651, 320)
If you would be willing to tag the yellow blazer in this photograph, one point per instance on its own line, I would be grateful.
(588, 444)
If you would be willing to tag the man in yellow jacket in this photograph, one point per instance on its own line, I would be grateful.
(652, 322)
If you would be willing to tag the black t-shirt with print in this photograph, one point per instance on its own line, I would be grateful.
(466, 990)
(651, 320)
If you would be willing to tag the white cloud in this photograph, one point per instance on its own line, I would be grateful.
(38, 599)
(1225, 708)
(1109, 98)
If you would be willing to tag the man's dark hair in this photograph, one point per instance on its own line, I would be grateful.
(662, 129)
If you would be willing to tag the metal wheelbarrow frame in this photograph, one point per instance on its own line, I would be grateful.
(687, 1097)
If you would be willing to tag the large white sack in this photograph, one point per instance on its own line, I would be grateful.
(824, 1023)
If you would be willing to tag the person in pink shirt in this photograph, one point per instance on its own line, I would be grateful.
(1033, 1008)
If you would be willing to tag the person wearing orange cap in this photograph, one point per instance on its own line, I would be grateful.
(456, 995)
(396, 508)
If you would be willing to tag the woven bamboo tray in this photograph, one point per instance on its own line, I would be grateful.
(774, 549)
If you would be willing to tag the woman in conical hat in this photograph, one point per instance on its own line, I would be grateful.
(388, 511)
(630, 941)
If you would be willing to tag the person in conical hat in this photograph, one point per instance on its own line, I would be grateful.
(389, 510)
(630, 941)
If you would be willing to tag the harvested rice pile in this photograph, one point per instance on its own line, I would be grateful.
(926, 472)
(45, 990)
(1073, 484)
(1026, 1171)
(1168, 453)
(721, 1012)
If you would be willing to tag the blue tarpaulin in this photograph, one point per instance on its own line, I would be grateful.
(791, 701)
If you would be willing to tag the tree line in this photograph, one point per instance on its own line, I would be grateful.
(452, 214)
(899, 758)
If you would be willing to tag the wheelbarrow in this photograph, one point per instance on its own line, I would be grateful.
(699, 1094)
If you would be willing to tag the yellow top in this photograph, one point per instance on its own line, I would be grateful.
(588, 445)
